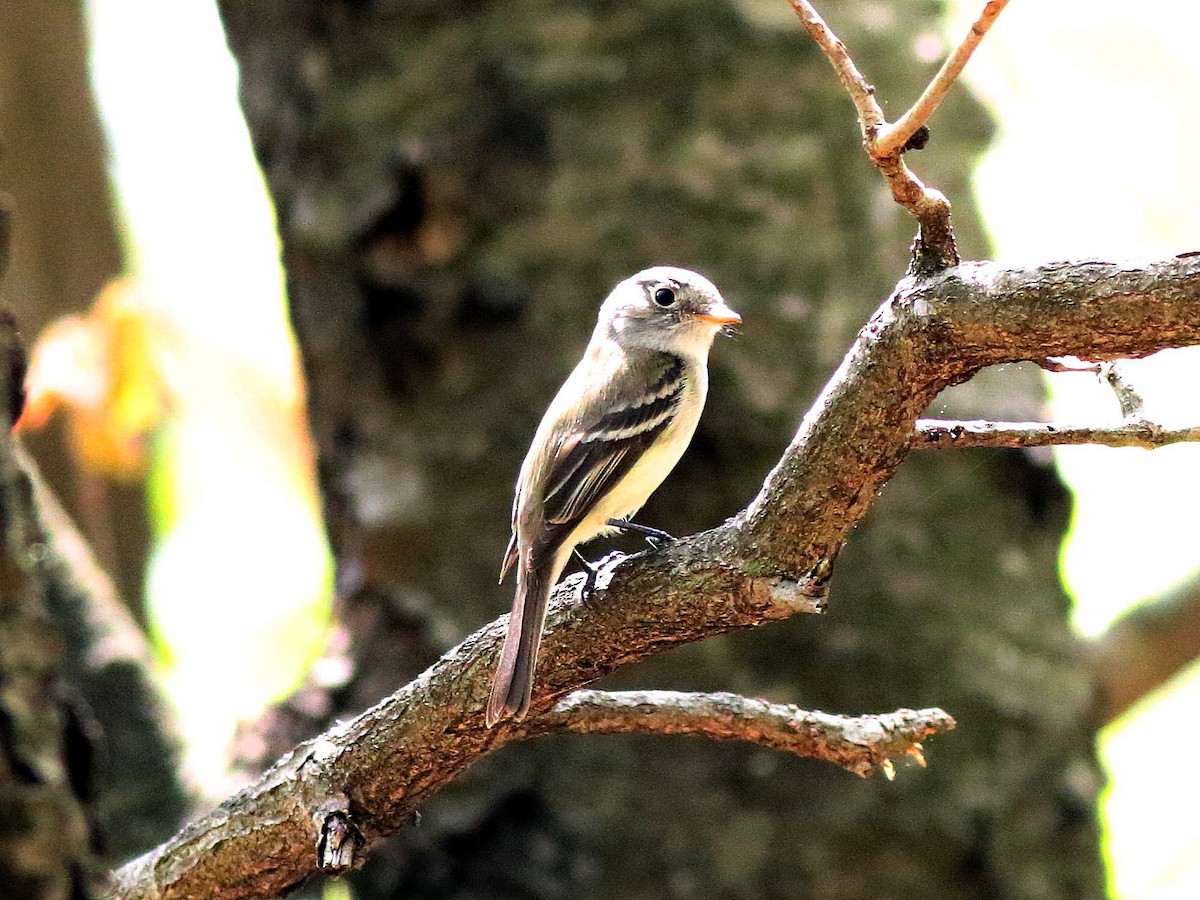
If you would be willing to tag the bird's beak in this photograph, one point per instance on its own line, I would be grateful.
(720, 315)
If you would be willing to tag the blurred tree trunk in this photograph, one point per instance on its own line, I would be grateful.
(457, 186)
(65, 242)
(45, 753)
(115, 741)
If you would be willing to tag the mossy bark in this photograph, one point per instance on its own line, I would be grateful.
(45, 751)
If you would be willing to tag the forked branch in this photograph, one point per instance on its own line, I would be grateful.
(891, 139)
(934, 249)
(368, 775)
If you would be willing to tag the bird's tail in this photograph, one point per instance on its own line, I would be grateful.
(512, 686)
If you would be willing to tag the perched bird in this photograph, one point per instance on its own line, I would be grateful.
(617, 427)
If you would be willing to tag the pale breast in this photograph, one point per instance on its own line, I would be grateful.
(656, 463)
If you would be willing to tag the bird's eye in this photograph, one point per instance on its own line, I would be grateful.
(664, 296)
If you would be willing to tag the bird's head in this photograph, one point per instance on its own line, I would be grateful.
(668, 309)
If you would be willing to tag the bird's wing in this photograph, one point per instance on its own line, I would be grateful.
(510, 555)
(596, 455)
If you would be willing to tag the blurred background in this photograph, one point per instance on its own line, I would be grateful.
(1133, 528)
(452, 189)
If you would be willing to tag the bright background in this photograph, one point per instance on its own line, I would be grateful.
(1095, 158)
(233, 479)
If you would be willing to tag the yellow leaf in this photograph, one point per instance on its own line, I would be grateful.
(103, 371)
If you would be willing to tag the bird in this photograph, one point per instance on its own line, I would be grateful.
(612, 434)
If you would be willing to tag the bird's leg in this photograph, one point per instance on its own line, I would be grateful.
(589, 580)
(602, 566)
(650, 534)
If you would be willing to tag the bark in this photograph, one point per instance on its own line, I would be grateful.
(938, 434)
(860, 744)
(137, 798)
(457, 187)
(45, 751)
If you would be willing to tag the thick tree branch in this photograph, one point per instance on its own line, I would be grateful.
(937, 434)
(1145, 648)
(768, 562)
(859, 744)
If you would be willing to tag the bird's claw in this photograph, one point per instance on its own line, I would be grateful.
(593, 571)
(655, 537)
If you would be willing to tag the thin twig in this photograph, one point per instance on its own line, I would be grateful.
(870, 114)
(937, 434)
(891, 138)
(934, 249)
(859, 744)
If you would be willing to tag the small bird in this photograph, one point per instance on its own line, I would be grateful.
(616, 429)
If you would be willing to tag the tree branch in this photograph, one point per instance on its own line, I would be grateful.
(937, 434)
(893, 138)
(870, 114)
(770, 561)
(859, 744)
(112, 632)
(934, 249)
(139, 796)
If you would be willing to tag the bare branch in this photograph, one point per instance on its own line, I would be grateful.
(1146, 647)
(938, 434)
(891, 139)
(110, 664)
(859, 744)
(768, 562)
(1067, 365)
(934, 248)
(870, 115)
(115, 636)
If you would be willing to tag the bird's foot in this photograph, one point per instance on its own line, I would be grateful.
(655, 537)
(593, 571)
